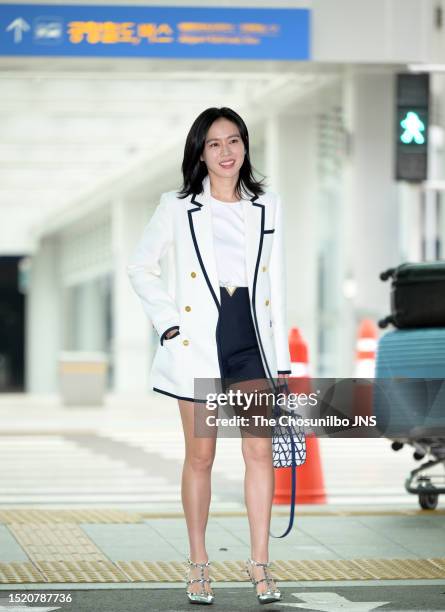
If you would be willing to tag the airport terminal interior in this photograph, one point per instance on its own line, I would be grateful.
(344, 101)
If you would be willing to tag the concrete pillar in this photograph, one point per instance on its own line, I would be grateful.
(289, 166)
(133, 340)
(410, 228)
(370, 236)
(90, 317)
(43, 320)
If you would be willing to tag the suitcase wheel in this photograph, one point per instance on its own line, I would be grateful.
(428, 501)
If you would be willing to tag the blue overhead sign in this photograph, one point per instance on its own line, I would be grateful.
(154, 31)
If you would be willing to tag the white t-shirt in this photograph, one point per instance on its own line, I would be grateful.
(229, 242)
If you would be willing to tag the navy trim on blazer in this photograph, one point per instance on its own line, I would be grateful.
(270, 231)
(209, 284)
(180, 397)
(284, 372)
(198, 254)
(260, 248)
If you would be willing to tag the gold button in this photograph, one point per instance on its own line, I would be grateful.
(264, 268)
(193, 274)
(267, 302)
(185, 342)
(188, 308)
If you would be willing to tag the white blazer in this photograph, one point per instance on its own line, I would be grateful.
(186, 225)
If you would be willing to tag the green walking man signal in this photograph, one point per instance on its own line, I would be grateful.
(412, 129)
(412, 120)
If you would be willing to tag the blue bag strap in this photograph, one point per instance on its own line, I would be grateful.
(293, 490)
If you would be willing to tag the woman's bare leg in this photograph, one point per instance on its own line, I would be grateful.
(259, 485)
(196, 489)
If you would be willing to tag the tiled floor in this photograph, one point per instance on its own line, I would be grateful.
(92, 495)
(149, 548)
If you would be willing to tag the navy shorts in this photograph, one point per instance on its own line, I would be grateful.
(240, 360)
(240, 357)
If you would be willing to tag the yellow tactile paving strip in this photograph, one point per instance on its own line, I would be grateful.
(52, 543)
(17, 572)
(356, 569)
(64, 553)
(86, 571)
(50, 517)
(102, 570)
(150, 571)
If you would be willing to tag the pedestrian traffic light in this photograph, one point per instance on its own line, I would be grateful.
(413, 128)
(412, 112)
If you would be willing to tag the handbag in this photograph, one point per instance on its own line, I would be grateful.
(288, 447)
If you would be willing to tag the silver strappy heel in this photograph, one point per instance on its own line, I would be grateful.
(202, 597)
(272, 594)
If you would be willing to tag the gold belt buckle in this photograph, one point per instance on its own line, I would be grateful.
(230, 289)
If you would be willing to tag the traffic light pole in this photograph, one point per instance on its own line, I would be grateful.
(432, 203)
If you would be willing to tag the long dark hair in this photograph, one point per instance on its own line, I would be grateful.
(194, 170)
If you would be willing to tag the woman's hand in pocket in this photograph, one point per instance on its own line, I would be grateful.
(172, 333)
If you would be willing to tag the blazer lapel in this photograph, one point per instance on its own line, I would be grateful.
(200, 220)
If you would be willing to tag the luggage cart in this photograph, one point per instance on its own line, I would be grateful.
(415, 415)
(419, 482)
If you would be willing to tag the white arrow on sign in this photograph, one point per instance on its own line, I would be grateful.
(19, 26)
(332, 602)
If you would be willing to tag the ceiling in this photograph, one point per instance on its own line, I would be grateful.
(69, 127)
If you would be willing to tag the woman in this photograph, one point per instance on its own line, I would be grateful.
(223, 320)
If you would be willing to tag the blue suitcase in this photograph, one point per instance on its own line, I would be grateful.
(413, 353)
(409, 390)
(409, 401)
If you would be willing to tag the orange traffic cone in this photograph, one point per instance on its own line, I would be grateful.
(310, 485)
(366, 348)
(365, 368)
(298, 354)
